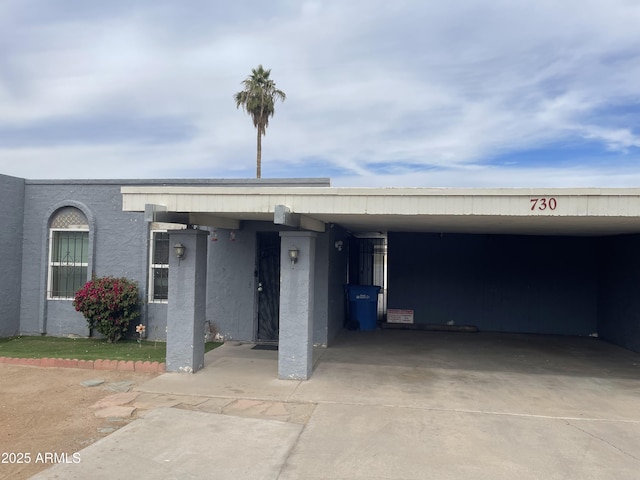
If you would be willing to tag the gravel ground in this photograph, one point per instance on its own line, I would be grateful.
(45, 414)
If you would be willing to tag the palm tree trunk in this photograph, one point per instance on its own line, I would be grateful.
(259, 156)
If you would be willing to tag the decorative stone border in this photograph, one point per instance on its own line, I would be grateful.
(122, 365)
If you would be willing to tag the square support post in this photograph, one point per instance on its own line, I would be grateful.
(295, 344)
(187, 301)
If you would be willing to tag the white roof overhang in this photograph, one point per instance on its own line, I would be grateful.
(591, 211)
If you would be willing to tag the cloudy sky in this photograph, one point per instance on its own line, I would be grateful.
(379, 93)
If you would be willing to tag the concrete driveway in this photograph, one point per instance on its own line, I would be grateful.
(389, 405)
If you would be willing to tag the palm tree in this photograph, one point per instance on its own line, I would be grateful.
(258, 99)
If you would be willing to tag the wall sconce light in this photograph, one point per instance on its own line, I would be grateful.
(338, 245)
(293, 255)
(179, 249)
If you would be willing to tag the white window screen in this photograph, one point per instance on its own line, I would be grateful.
(68, 253)
(159, 267)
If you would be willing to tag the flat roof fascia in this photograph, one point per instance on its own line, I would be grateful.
(193, 182)
(389, 201)
(385, 192)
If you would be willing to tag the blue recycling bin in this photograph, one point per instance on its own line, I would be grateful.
(363, 306)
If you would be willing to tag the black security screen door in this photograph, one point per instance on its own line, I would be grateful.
(268, 278)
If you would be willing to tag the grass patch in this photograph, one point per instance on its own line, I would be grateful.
(86, 348)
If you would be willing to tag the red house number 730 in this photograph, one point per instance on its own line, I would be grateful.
(543, 203)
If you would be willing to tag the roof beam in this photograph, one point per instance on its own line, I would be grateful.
(283, 215)
(159, 213)
(209, 220)
(310, 223)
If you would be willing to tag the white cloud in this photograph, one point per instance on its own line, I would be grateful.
(490, 176)
(369, 83)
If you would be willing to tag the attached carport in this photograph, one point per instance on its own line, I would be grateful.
(556, 261)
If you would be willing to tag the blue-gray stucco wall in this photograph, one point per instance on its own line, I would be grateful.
(338, 239)
(231, 296)
(118, 245)
(11, 215)
(527, 284)
(231, 282)
(186, 308)
(619, 284)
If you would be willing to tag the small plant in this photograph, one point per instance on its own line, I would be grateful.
(109, 304)
(140, 329)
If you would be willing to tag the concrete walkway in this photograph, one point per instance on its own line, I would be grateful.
(387, 405)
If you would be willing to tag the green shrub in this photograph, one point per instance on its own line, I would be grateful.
(109, 304)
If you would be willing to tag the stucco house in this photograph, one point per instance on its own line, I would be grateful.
(268, 260)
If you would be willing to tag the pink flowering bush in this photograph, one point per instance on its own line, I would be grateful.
(109, 304)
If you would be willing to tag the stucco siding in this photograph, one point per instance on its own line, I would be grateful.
(11, 216)
(619, 282)
(156, 317)
(63, 320)
(118, 244)
(231, 295)
(330, 279)
(231, 283)
(338, 256)
(321, 289)
(506, 283)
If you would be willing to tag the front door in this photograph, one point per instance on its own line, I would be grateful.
(268, 278)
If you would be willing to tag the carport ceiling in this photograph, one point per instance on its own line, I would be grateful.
(571, 226)
(475, 224)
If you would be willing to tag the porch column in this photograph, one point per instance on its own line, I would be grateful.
(295, 344)
(187, 301)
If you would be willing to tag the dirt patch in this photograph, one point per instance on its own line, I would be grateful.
(45, 415)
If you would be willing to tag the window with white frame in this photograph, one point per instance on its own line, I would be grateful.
(159, 266)
(68, 253)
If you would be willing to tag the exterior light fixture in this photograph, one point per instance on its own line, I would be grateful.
(179, 249)
(293, 255)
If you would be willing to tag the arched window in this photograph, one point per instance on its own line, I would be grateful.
(68, 253)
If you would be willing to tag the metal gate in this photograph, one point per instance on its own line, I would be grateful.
(268, 285)
(368, 266)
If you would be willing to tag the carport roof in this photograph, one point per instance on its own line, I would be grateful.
(544, 211)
